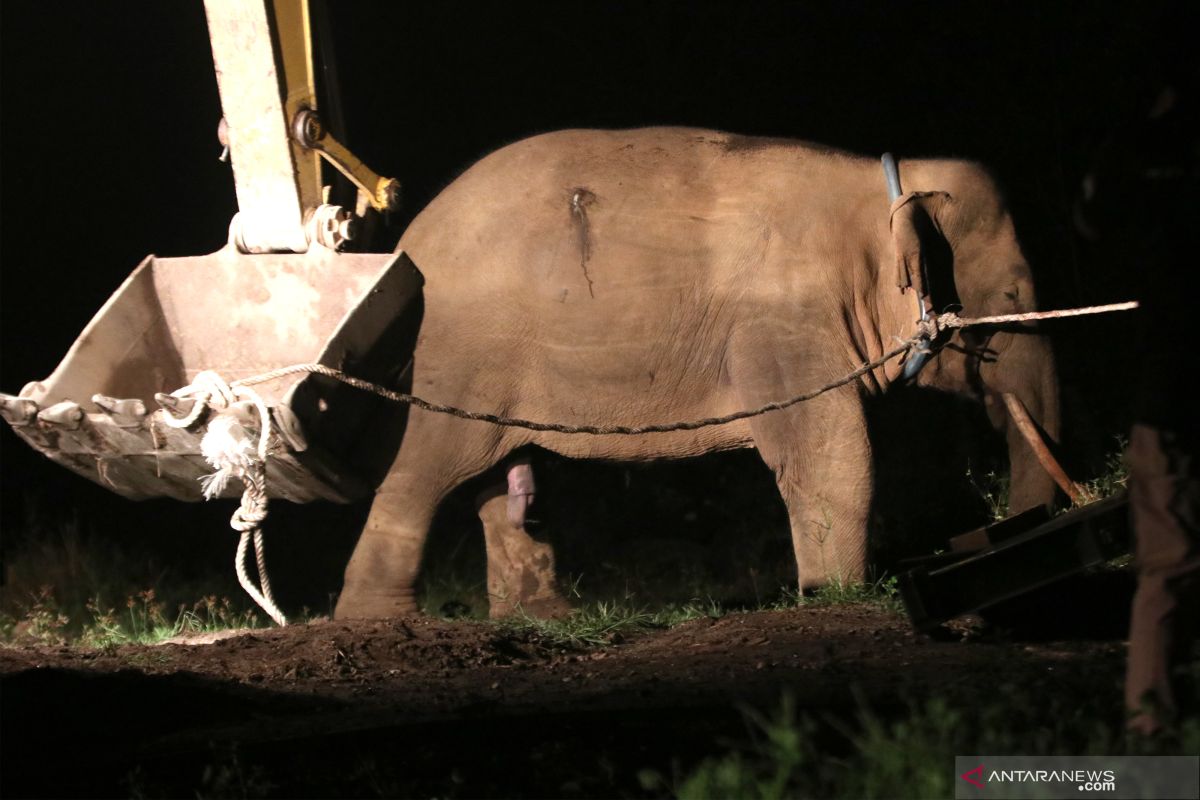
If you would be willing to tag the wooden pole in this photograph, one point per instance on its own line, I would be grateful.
(1029, 429)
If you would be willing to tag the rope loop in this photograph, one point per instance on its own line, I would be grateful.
(230, 449)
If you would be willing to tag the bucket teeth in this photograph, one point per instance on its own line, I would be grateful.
(175, 406)
(17, 410)
(125, 413)
(65, 414)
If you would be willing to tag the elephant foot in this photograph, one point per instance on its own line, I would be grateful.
(375, 605)
(521, 579)
(810, 584)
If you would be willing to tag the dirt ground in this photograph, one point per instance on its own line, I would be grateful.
(429, 708)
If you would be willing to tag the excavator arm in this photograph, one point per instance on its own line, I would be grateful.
(279, 293)
(263, 56)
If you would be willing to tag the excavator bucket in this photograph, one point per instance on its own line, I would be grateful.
(239, 316)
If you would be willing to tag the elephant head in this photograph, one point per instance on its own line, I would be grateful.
(955, 244)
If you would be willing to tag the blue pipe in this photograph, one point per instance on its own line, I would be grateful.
(892, 173)
(922, 354)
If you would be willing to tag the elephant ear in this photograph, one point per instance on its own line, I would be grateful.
(916, 235)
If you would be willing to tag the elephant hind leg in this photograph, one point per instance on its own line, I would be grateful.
(520, 569)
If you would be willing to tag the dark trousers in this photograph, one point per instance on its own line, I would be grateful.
(1165, 500)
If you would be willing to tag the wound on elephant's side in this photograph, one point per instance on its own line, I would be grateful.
(581, 198)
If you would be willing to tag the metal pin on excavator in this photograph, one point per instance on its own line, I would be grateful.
(279, 292)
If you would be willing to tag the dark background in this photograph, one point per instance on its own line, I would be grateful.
(108, 115)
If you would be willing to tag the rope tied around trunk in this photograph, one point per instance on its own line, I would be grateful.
(228, 448)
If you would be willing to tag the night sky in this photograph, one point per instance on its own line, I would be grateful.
(109, 112)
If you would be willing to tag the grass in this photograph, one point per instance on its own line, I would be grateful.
(65, 585)
(910, 753)
(605, 623)
(68, 587)
(448, 595)
(994, 489)
(142, 619)
(1113, 478)
(883, 592)
(146, 621)
(602, 623)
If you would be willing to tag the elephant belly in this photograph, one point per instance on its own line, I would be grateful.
(583, 375)
(588, 286)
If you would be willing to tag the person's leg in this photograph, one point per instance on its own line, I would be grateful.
(1165, 501)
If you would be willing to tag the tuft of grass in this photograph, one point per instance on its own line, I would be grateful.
(883, 592)
(1112, 480)
(143, 619)
(994, 489)
(607, 622)
(64, 584)
(604, 623)
(41, 620)
(782, 750)
(593, 625)
(228, 776)
(872, 754)
(146, 621)
(447, 595)
(453, 584)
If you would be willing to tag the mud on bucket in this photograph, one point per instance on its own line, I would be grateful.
(239, 316)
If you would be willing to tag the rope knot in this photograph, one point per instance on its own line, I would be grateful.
(229, 447)
(248, 517)
(948, 319)
(927, 330)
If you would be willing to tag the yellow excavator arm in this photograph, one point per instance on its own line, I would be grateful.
(115, 410)
(263, 57)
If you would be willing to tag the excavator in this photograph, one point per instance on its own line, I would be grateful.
(285, 289)
(155, 393)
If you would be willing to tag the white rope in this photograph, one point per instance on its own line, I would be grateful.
(229, 449)
(929, 328)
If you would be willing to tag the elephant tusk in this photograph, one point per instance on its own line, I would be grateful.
(1028, 428)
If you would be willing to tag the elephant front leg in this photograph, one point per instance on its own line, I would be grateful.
(824, 474)
(520, 569)
(821, 457)
(818, 449)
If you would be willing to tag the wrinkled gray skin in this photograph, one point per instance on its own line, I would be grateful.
(665, 274)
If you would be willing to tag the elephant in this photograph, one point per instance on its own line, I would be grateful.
(630, 277)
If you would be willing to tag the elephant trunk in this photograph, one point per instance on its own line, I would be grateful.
(1024, 367)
